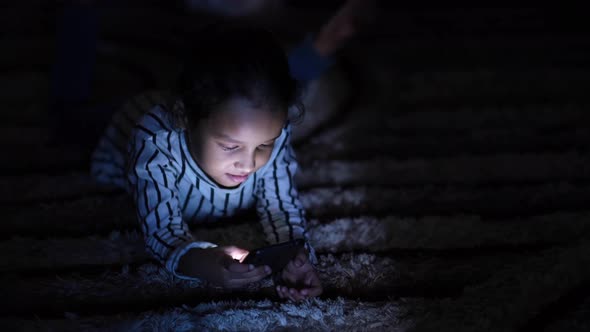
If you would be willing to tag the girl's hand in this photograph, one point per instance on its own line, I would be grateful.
(300, 279)
(221, 266)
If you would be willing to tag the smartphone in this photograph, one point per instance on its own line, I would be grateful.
(276, 256)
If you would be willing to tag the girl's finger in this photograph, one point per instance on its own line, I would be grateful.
(236, 253)
(238, 267)
(289, 277)
(288, 293)
(253, 275)
(300, 259)
(310, 279)
(296, 294)
(313, 291)
(290, 267)
(241, 282)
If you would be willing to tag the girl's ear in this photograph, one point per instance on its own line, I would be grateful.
(178, 111)
(175, 110)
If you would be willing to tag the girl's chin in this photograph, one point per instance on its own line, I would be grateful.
(225, 182)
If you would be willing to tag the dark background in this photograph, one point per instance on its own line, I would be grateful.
(452, 112)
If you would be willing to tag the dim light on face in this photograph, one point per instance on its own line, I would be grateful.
(235, 140)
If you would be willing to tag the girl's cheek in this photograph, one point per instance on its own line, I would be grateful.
(215, 157)
(262, 159)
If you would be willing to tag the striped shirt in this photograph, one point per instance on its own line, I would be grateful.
(143, 152)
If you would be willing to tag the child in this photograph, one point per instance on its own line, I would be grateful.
(213, 147)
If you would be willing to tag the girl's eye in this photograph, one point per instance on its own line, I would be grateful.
(265, 146)
(228, 148)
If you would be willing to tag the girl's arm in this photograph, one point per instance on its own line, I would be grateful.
(278, 205)
(152, 175)
(283, 219)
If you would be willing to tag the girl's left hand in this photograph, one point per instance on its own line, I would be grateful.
(300, 279)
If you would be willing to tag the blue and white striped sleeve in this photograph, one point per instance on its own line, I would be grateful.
(153, 175)
(279, 208)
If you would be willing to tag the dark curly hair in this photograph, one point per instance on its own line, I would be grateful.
(231, 59)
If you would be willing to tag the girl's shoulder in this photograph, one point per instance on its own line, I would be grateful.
(149, 112)
(156, 128)
(137, 107)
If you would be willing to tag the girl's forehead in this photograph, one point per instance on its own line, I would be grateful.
(239, 118)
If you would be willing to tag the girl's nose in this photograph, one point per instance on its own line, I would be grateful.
(246, 164)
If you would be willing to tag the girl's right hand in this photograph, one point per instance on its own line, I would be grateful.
(216, 265)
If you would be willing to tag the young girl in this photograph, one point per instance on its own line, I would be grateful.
(216, 145)
(220, 148)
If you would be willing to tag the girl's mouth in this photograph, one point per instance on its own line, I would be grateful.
(237, 178)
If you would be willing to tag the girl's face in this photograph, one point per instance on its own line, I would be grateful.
(236, 140)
